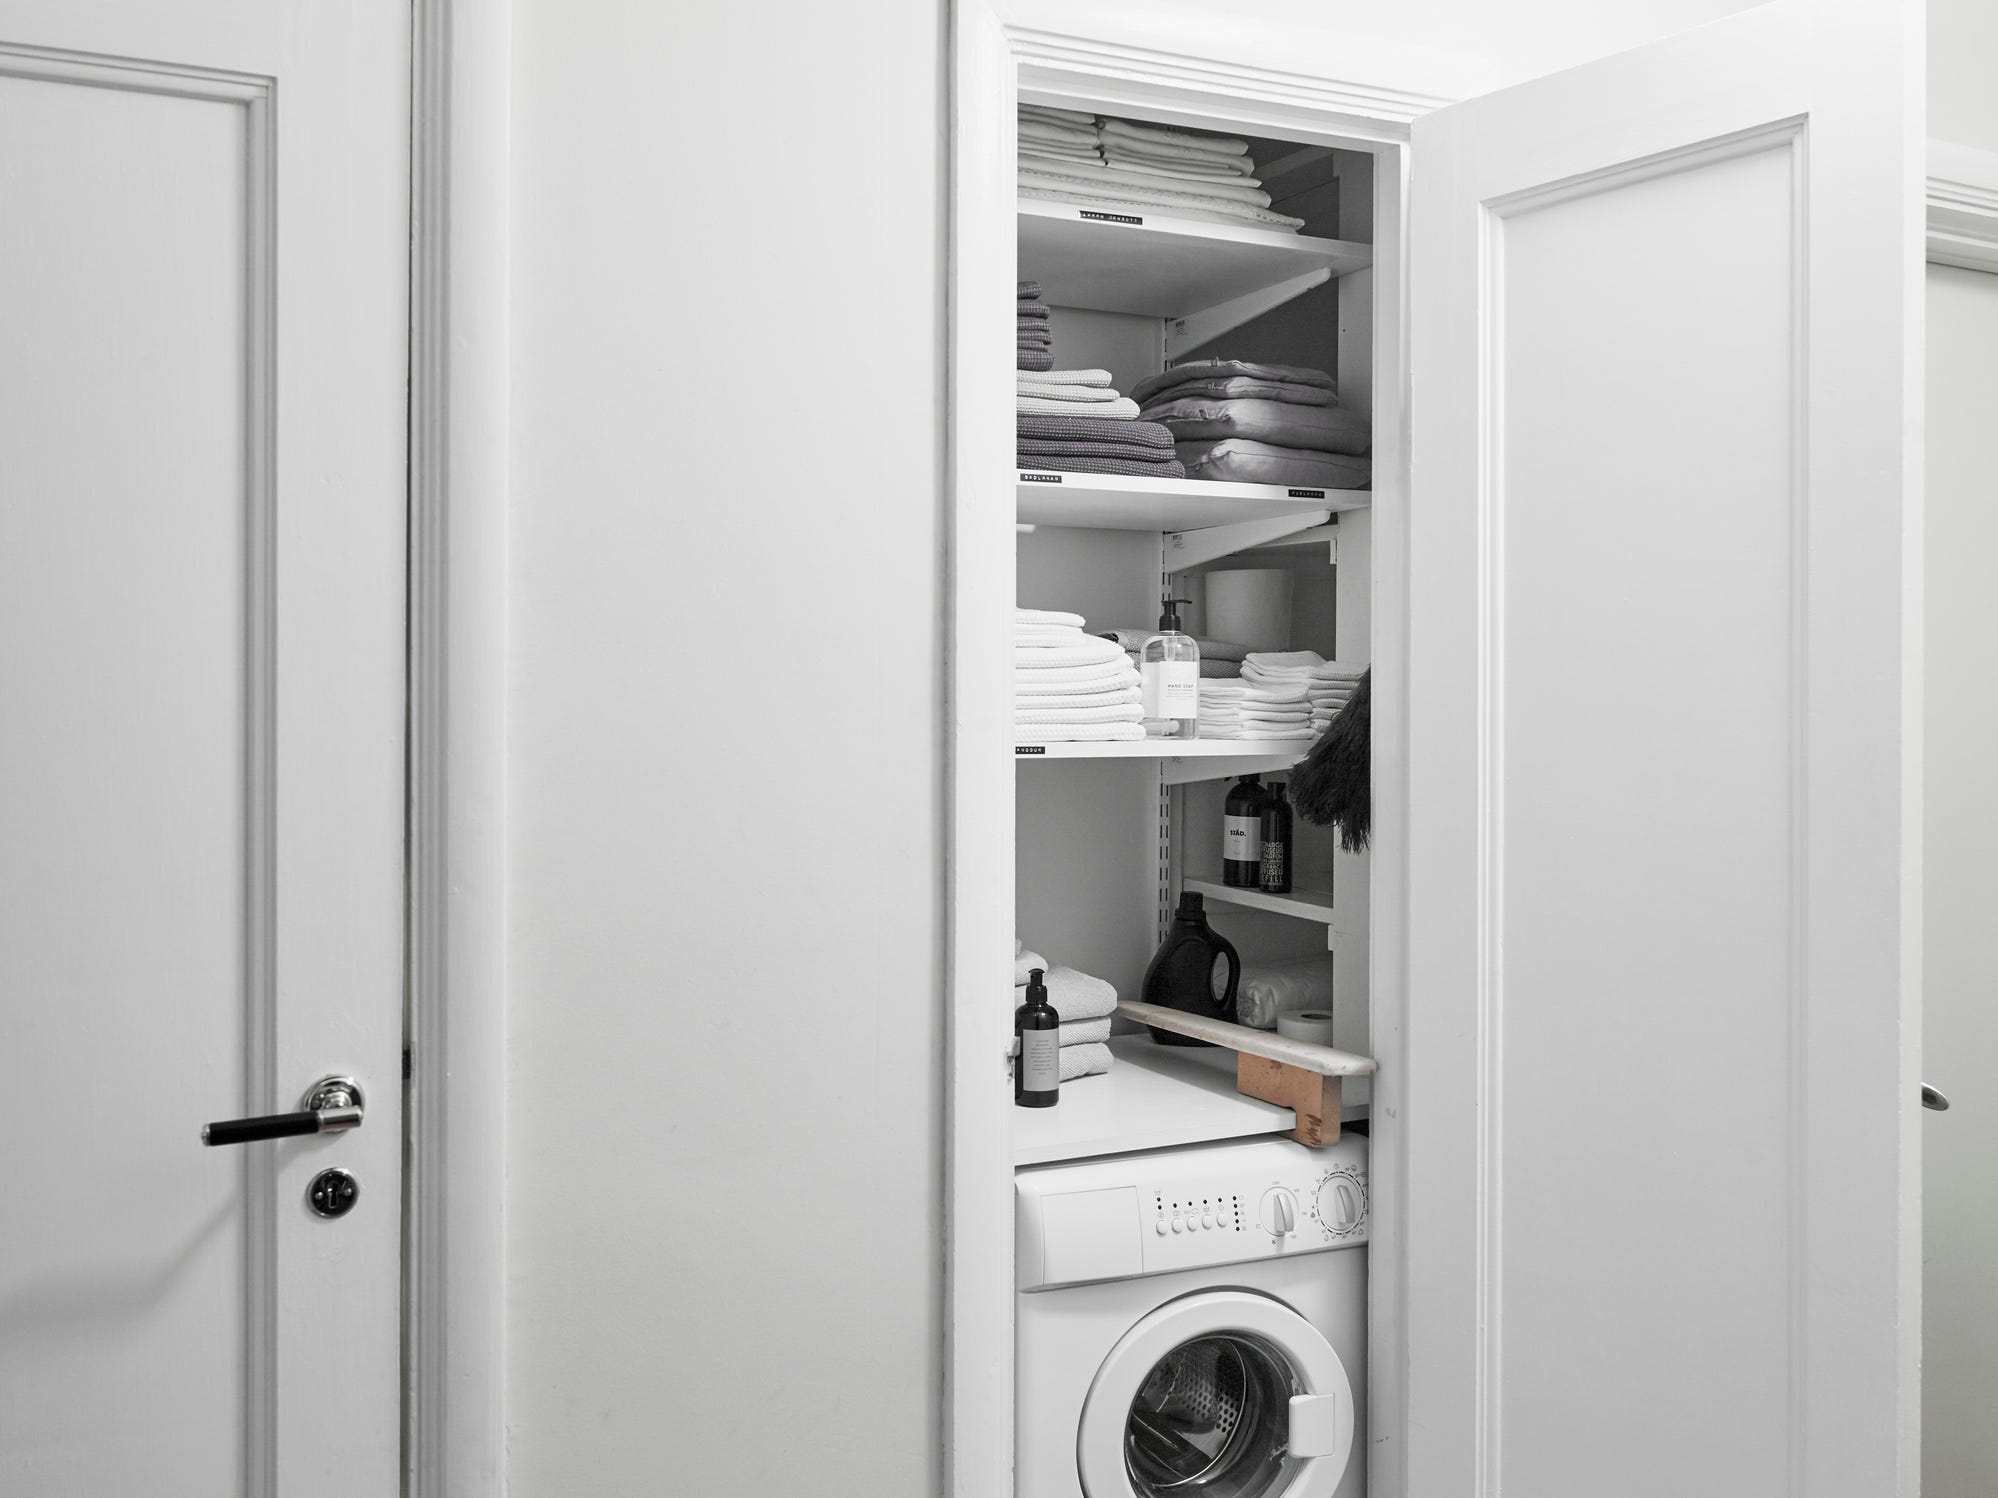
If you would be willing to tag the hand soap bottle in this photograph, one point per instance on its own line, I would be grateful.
(1036, 1025)
(1169, 670)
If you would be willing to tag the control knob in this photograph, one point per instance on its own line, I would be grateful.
(1342, 1202)
(1278, 1212)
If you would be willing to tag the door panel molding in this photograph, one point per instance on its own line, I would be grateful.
(457, 809)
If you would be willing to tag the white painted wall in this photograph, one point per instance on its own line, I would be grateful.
(724, 1239)
(1960, 1209)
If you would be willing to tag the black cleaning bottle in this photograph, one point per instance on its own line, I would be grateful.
(1037, 1071)
(1242, 833)
(1181, 975)
(1276, 843)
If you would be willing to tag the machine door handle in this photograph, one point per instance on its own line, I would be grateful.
(331, 1104)
(1933, 1099)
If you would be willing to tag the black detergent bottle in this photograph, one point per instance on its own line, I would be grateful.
(1182, 974)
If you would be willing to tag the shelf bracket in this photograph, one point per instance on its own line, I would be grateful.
(1184, 549)
(1185, 334)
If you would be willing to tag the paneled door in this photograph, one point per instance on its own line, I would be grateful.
(1662, 1097)
(203, 333)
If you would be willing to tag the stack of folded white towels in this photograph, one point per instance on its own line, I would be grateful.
(1085, 1005)
(1326, 685)
(1127, 167)
(1246, 709)
(1069, 685)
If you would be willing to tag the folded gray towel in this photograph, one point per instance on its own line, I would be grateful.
(1076, 995)
(1224, 369)
(1325, 429)
(1034, 359)
(1030, 291)
(1038, 311)
(1075, 1061)
(1237, 460)
(1081, 428)
(1242, 387)
(1082, 463)
(1030, 449)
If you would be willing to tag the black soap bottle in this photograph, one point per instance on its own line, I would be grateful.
(1275, 873)
(1242, 833)
(1037, 1070)
(1181, 975)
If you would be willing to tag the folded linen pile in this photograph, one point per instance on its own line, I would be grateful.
(1035, 347)
(1326, 685)
(1251, 710)
(1219, 660)
(1068, 685)
(1085, 1005)
(1126, 167)
(1072, 421)
(1259, 424)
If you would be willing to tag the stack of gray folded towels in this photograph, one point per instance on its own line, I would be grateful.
(1128, 167)
(1035, 348)
(1072, 421)
(1085, 1005)
(1246, 423)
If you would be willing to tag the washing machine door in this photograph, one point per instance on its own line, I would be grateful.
(1221, 1394)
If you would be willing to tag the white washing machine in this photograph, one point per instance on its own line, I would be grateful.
(1193, 1322)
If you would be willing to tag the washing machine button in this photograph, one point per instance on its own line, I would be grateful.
(1160, 1227)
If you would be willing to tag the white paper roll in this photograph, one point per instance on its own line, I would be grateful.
(1314, 1025)
(1250, 606)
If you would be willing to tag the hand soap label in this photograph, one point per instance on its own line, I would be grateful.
(1171, 689)
(1040, 1060)
(1242, 839)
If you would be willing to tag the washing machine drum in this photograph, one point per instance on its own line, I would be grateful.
(1221, 1394)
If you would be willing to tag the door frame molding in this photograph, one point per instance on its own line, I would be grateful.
(454, 1363)
(1962, 206)
(1194, 69)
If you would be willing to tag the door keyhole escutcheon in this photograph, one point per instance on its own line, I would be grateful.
(333, 1193)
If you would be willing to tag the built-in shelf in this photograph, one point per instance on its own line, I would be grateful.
(1101, 501)
(1305, 904)
(1153, 1097)
(1167, 267)
(1181, 763)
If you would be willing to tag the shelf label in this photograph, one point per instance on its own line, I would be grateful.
(1040, 478)
(1110, 218)
(1307, 494)
(1030, 748)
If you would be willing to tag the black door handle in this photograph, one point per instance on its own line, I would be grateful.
(334, 1103)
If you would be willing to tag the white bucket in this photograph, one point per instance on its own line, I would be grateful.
(1251, 607)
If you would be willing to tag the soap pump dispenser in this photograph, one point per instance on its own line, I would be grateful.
(1169, 672)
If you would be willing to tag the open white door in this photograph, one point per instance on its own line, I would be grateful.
(1663, 940)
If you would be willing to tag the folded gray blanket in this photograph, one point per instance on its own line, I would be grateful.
(1326, 429)
(1083, 463)
(1030, 291)
(1242, 387)
(1029, 450)
(1081, 428)
(1034, 359)
(1224, 369)
(1038, 311)
(1035, 332)
(1239, 461)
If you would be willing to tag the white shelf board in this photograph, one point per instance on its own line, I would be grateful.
(1305, 904)
(1165, 267)
(1153, 1097)
(1116, 502)
(1167, 749)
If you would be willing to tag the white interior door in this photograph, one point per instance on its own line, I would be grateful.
(1664, 808)
(203, 253)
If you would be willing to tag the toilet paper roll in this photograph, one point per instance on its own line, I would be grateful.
(1250, 606)
(1314, 1025)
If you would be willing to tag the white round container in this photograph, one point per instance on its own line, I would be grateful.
(1250, 606)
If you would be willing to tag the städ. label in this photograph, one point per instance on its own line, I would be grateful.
(1110, 218)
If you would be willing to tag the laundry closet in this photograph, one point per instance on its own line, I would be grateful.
(1610, 972)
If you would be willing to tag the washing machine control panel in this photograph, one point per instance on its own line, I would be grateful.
(1189, 1208)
